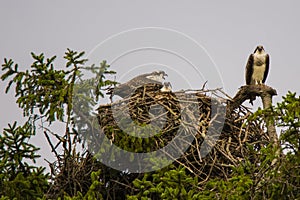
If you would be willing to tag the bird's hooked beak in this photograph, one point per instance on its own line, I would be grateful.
(260, 48)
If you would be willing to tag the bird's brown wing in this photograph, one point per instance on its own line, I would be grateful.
(127, 89)
(267, 68)
(249, 69)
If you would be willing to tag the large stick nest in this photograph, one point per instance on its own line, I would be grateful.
(166, 114)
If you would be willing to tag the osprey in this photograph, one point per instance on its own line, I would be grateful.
(128, 88)
(166, 87)
(257, 67)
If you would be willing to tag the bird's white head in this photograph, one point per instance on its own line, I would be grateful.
(259, 49)
(161, 73)
(166, 87)
(158, 76)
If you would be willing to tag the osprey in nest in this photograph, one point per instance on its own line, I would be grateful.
(166, 87)
(127, 89)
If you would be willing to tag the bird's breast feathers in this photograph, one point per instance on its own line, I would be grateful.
(258, 72)
(259, 59)
(259, 66)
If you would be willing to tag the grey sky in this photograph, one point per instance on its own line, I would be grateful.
(228, 30)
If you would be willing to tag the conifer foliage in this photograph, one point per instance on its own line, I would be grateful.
(243, 165)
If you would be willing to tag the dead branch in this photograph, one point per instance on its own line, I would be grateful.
(249, 92)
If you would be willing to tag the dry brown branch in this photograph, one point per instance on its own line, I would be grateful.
(249, 92)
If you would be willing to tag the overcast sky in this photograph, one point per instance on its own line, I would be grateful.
(227, 32)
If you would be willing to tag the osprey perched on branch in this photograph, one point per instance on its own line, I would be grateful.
(257, 67)
(126, 89)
